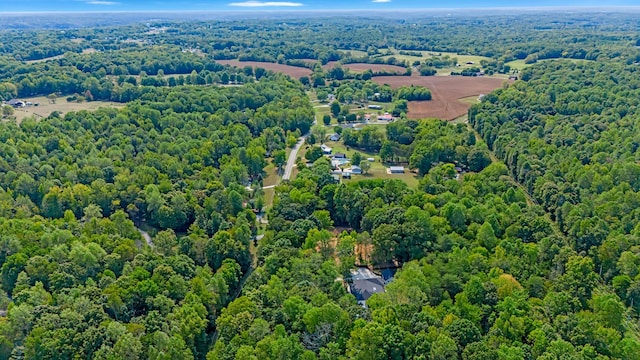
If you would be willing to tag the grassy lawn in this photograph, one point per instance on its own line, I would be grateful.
(268, 197)
(460, 120)
(321, 111)
(470, 100)
(379, 171)
(463, 59)
(272, 177)
(519, 64)
(45, 107)
(355, 53)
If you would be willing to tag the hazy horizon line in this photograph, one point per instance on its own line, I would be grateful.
(249, 11)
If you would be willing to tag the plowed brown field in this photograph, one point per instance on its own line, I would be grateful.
(446, 91)
(293, 71)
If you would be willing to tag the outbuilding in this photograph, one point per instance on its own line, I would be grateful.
(396, 169)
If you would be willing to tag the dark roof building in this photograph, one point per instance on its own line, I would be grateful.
(339, 156)
(15, 103)
(365, 283)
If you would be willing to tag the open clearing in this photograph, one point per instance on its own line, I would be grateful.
(447, 92)
(362, 67)
(85, 51)
(45, 107)
(293, 71)
(378, 169)
(520, 64)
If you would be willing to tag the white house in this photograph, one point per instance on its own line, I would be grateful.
(325, 149)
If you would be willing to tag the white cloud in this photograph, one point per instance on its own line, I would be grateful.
(381, 1)
(253, 3)
(98, 2)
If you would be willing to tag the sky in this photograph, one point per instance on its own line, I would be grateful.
(278, 5)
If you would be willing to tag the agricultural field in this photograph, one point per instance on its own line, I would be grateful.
(473, 60)
(447, 92)
(362, 67)
(354, 53)
(46, 107)
(520, 64)
(293, 71)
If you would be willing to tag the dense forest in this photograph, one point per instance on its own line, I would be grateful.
(519, 240)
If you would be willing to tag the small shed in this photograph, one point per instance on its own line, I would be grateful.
(396, 169)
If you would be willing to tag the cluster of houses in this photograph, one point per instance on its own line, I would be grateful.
(339, 159)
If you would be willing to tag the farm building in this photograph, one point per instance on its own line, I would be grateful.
(396, 169)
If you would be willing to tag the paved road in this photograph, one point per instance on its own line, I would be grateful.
(146, 236)
(291, 161)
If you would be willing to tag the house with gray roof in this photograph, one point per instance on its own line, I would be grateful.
(364, 283)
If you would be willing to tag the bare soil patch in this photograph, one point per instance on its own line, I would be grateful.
(449, 93)
(293, 71)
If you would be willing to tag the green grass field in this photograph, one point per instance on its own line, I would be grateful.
(355, 53)
(462, 59)
(379, 171)
(272, 177)
(520, 64)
